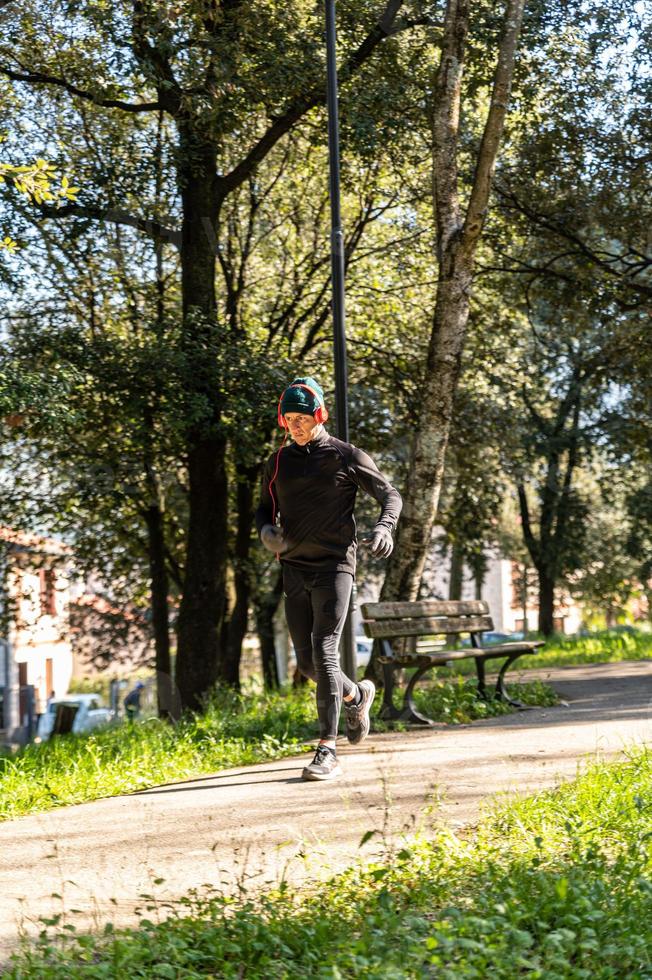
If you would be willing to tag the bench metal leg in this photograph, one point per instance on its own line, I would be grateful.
(482, 687)
(502, 693)
(410, 714)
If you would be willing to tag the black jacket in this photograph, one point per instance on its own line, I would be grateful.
(314, 492)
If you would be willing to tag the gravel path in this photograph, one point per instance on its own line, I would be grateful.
(250, 826)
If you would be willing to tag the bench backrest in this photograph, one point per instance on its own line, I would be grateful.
(432, 616)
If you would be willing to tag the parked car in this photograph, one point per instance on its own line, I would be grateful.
(363, 645)
(74, 713)
(494, 636)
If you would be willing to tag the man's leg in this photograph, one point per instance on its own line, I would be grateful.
(330, 602)
(298, 615)
(330, 596)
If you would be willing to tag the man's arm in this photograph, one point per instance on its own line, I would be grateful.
(372, 481)
(271, 536)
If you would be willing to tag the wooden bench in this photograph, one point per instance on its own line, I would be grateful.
(385, 621)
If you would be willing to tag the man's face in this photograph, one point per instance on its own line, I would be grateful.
(302, 428)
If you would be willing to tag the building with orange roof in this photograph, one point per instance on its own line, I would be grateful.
(36, 657)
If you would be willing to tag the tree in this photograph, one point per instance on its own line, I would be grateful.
(458, 231)
(608, 577)
(234, 82)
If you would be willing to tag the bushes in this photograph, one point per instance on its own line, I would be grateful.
(556, 885)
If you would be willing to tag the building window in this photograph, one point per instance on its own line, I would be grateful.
(47, 577)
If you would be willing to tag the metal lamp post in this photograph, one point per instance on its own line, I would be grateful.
(337, 280)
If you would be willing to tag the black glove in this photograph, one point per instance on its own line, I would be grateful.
(273, 539)
(381, 543)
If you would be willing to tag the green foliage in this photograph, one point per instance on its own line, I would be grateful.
(235, 730)
(457, 701)
(556, 885)
(36, 182)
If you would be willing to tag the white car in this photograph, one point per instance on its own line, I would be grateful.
(78, 713)
(363, 645)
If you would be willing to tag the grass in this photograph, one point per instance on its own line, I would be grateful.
(241, 730)
(456, 701)
(552, 886)
(604, 647)
(236, 730)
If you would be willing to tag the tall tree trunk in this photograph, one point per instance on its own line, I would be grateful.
(431, 438)
(547, 552)
(457, 240)
(524, 596)
(546, 603)
(203, 603)
(160, 587)
(266, 606)
(478, 580)
(229, 668)
(457, 573)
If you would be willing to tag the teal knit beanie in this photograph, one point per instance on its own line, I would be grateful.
(297, 399)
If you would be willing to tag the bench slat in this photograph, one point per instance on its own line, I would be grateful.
(428, 625)
(527, 646)
(429, 607)
(441, 657)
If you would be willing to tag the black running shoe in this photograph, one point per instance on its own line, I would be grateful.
(323, 766)
(357, 715)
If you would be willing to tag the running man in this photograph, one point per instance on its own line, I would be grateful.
(306, 517)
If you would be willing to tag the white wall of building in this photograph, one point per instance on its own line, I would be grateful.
(39, 638)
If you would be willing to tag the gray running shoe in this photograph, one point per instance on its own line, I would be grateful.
(357, 716)
(323, 766)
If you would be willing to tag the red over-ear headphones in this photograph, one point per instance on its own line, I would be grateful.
(320, 414)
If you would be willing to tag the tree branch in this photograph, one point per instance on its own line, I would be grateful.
(607, 261)
(571, 464)
(446, 123)
(41, 78)
(408, 23)
(537, 418)
(282, 124)
(528, 536)
(155, 64)
(155, 229)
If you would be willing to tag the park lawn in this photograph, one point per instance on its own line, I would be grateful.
(246, 729)
(603, 647)
(236, 730)
(556, 885)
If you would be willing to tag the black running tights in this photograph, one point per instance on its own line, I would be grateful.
(316, 604)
